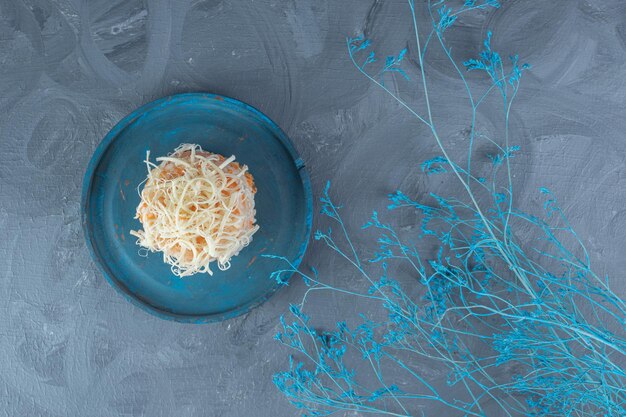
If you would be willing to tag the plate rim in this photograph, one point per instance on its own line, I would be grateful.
(94, 162)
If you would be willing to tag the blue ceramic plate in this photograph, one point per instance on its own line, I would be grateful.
(218, 124)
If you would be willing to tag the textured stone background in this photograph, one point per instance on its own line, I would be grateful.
(70, 69)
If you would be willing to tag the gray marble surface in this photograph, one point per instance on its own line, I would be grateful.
(70, 69)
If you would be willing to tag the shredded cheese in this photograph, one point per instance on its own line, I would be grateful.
(196, 207)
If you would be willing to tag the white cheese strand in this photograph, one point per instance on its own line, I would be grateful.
(196, 208)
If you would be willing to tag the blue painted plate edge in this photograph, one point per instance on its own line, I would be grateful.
(86, 190)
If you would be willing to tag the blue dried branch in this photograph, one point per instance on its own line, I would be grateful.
(489, 300)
